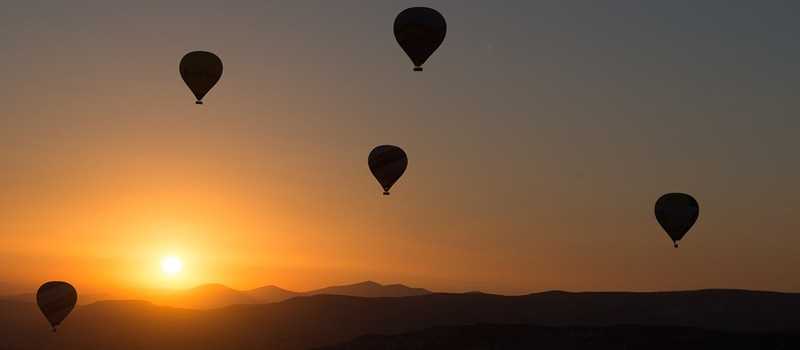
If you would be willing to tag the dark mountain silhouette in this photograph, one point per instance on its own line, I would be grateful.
(212, 296)
(524, 337)
(6, 289)
(271, 294)
(83, 299)
(368, 289)
(371, 289)
(324, 320)
(26, 298)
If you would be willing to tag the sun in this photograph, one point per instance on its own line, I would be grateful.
(171, 265)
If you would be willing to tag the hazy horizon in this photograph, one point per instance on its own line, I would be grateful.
(153, 294)
(539, 137)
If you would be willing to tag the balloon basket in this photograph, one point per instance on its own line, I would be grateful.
(385, 193)
(418, 69)
(198, 102)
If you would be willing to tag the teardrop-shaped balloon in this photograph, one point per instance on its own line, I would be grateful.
(56, 299)
(387, 163)
(201, 70)
(420, 31)
(677, 213)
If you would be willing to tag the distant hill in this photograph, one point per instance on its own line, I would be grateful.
(524, 337)
(271, 294)
(83, 299)
(212, 296)
(371, 289)
(7, 289)
(323, 320)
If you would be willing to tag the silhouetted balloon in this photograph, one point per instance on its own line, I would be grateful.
(56, 299)
(201, 71)
(419, 31)
(387, 163)
(677, 213)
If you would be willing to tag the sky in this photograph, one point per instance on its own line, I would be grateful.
(539, 137)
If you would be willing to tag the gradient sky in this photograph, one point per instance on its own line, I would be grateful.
(539, 137)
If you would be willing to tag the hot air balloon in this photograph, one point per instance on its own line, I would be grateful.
(419, 31)
(677, 213)
(56, 299)
(387, 163)
(201, 71)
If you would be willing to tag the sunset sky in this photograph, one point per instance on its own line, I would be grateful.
(539, 137)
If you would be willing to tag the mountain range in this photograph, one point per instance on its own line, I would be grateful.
(317, 321)
(212, 296)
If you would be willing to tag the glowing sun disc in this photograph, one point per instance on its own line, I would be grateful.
(171, 265)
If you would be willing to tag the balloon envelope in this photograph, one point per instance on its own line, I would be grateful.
(201, 71)
(420, 31)
(387, 163)
(56, 299)
(677, 213)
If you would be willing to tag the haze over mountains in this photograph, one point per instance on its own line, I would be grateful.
(211, 296)
(305, 322)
